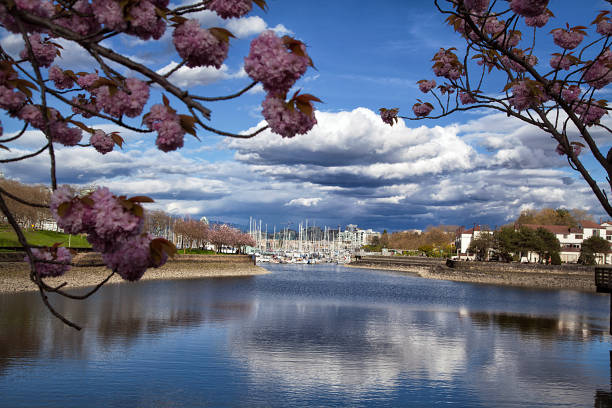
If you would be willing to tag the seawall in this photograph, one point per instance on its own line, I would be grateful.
(568, 276)
(14, 276)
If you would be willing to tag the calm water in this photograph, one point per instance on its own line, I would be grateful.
(308, 336)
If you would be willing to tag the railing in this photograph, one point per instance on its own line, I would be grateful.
(603, 280)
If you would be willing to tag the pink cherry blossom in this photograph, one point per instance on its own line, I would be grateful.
(170, 135)
(561, 150)
(102, 142)
(159, 113)
(599, 74)
(604, 26)
(83, 103)
(422, 109)
(61, 80)
(87, 80)
(81, 20)
(571, 94)
(40, 8)
(528, 8)
(467, 98)
(132, 257)
(447, 65)
(494, 26)
(476, 6)
(58, 254)
(128, 101)
(198, 46)
(144, 21)
(44, 52)
(426, 86)
(61, 133)
(557, 61)
(230, 8)
(109, 13)
(515, 66)
(273, 64)
(11, 100)
(389, 116)
(510, 38)
(284, 119)
(526, 94)
(537, 21)
(77, 218)
(567, 39)
(590, 114)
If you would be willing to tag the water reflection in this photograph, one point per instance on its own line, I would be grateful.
(119, 316)
(316, 337)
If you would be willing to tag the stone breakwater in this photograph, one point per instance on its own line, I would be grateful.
(14, 274)
(575, 277)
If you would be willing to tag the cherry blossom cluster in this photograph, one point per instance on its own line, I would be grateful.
(141, 19)
(476, 6)
(568, 39)
(57, 126)
(102, 142)
(426, 86)
(199, 46)
(447, 65)
(165, 121)
(599, 74)
(231, 8)
(515, 66)
(114, 227)
(528, 8)
(527, 94)
(44, 51)
(288, 118)
(61, 255)
(422, 109)
(591, 112)
(278, 63)
(389, 116)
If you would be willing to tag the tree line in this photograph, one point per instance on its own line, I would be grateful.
(189, 233)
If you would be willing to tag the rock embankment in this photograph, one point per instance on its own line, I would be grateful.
(573, 277)
(14, 276)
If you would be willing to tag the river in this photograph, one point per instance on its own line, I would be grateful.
(310, 336)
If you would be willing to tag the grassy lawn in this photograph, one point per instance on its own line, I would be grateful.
(43, 238)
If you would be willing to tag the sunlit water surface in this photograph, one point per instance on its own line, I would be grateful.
(310, 335)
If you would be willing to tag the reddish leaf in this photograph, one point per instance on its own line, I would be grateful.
(221, 34)
(63, 208)
(117, 139)
(82, 126)
(165, 100)
(261, 3)
(188, 124)
(141, 199)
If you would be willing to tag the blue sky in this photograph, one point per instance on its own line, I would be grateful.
(476, 167)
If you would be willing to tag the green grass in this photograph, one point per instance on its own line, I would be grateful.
(8, 238)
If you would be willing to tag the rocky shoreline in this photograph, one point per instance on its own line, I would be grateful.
(580, 279)
(14, 276)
